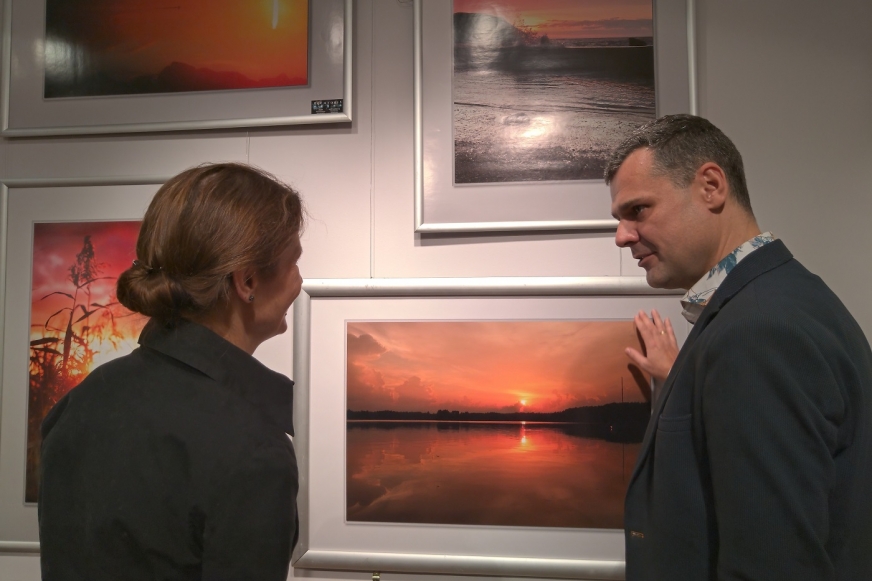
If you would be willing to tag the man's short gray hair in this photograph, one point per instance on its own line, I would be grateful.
(680, 144)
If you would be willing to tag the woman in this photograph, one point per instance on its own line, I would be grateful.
(173, 462)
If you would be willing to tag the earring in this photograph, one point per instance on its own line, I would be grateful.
(250, 298)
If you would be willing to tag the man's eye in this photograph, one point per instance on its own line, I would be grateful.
(637, 210)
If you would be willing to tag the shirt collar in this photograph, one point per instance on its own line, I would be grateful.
(271, 393)
(699, 294)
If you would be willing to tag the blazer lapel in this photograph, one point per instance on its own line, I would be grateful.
(762, 260)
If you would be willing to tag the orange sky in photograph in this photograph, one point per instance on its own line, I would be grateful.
(55, 245)
(504, 366)
(257, 38)
(564, 19)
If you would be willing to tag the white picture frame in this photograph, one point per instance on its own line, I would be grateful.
(25, 113)
(22, 203)
(443, 207)
(327, 540)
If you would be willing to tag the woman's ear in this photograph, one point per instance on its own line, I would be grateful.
(244, 284)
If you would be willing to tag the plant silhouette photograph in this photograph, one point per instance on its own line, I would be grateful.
(76, 322)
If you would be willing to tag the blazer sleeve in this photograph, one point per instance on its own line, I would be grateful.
(250, 527)
(772, 407)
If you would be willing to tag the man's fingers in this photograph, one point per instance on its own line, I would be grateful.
(644, 324)
(670, 331)
(636, 357)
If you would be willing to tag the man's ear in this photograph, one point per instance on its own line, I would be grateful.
(244, 283)
(711, 183)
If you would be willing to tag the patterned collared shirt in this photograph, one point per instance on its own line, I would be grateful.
(699, 294)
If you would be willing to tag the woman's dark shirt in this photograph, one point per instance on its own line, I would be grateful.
(171, 463)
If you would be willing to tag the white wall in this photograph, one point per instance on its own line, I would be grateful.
(792, 86)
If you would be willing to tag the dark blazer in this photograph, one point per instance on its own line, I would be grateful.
(757, 463)
(170, 463)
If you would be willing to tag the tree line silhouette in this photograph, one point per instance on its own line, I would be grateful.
(614, 422)
(610, 413)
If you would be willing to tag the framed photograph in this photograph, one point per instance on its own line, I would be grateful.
(64, 243)
(518, 104)
(90, 66)
(469, 426)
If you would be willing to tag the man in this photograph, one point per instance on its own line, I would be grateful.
(757, 463)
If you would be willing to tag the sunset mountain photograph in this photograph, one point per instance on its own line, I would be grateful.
(122, 47)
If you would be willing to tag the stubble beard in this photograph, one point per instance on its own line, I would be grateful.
(658, 276)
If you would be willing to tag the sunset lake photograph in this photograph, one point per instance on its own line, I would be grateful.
(494, 423)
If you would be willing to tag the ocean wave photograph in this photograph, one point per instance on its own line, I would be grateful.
(543, 90)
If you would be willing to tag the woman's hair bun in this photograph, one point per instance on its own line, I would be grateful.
(203, 225)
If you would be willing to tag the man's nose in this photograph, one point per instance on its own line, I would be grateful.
(625, 234)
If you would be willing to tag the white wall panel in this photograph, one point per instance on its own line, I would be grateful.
(791, 84)
(398, 251)
(331, 166)
(120, 155)
(19, 568)
(331, 170)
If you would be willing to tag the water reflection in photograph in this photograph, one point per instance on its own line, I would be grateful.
(481, 473)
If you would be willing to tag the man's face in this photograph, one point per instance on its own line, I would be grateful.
(667, 229)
